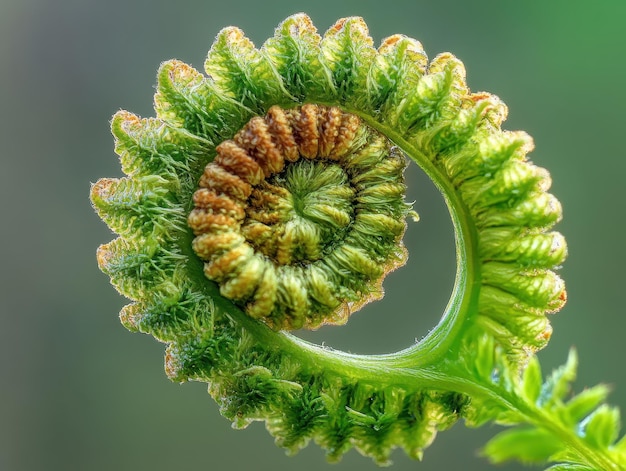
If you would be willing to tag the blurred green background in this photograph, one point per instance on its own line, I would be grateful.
(80, 392)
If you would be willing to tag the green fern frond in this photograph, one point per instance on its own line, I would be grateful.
(269, 194)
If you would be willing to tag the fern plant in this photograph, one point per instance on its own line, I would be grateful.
(268, 196)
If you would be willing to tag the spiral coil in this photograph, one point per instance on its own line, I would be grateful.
(300, 215)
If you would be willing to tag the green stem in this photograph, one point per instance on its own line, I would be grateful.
(390, 370)
(464, 300)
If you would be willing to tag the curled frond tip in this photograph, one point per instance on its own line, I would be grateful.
(268, 195)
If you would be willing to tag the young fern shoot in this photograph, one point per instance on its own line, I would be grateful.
(268, 196)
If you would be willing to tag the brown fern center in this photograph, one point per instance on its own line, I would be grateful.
(288, 215)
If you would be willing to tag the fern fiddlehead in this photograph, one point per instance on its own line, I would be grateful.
(268, 196)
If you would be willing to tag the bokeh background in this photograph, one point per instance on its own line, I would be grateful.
(80, 392)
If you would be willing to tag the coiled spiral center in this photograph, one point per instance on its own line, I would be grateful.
(297, 215)
(300, 216)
